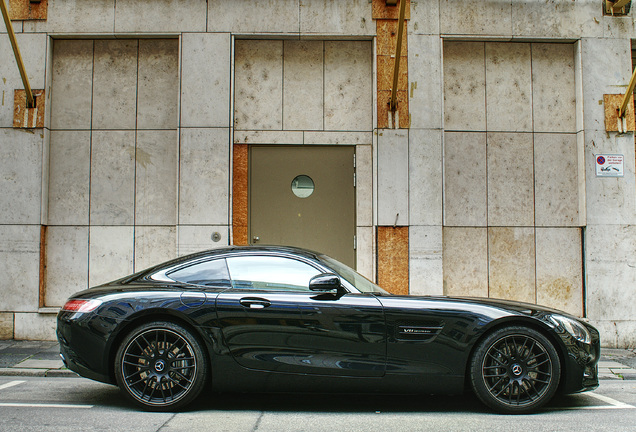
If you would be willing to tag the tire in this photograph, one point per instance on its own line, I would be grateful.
(161, 366)
(515, 370)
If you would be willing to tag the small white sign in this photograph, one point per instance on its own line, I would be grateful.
(608, 165)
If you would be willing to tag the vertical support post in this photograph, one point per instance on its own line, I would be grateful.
(18, 56)
(398, 52)
(629, 93)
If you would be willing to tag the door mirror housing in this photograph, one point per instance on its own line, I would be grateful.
(325, 282)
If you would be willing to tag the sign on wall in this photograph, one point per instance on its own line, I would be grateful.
(608, 165)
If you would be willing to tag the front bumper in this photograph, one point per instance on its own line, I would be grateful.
(581, 363)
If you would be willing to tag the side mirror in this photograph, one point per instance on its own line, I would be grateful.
(325, 282)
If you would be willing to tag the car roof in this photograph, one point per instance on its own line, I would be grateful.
(219, 251)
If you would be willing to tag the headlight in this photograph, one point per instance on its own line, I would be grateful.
(576, 329)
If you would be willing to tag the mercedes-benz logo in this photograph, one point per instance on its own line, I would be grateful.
(160, 366)
(516, 370)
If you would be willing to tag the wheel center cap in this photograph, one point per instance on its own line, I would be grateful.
(516, 370)
(160, 366)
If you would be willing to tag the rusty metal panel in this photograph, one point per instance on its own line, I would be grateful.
(20, 10)
(24, 117)
(393, 259)
(239, 194)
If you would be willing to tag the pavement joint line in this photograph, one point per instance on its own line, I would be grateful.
(43, 405)
(609, 400)
(11, 384)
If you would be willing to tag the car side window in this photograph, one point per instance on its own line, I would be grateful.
(270, 273)
(208, 273)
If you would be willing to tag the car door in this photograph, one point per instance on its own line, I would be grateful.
(271, 321)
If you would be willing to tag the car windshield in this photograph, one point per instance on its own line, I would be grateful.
(353, 277)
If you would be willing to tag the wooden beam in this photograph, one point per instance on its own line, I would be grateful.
(398, 51)
(628, 94)
(18, 56)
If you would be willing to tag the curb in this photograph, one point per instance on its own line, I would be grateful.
(41, 373)
(66, 373)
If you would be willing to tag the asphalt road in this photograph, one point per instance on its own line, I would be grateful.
(60, 404)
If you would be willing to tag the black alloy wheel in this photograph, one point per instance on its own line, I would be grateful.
(515, 370)
(161, 366)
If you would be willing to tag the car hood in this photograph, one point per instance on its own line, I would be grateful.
(505, 307)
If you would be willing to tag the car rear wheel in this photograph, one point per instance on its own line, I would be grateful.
(515, 370)
(161, 366)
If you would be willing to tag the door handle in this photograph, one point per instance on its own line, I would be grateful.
(254, 303)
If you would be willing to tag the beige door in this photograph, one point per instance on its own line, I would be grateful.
(303, 196)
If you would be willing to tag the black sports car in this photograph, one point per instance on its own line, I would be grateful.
(285, 319)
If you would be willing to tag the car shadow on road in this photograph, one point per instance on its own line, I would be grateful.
(111, 396)
(341, 403)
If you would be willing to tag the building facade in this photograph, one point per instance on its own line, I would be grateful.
(171, 127)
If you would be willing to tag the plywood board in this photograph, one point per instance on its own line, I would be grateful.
(393, 259)
(24, 117)
(612, 103)
(20, 10)
(239, 195)
(382, 11)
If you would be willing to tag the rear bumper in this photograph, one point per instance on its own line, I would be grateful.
(83, 349)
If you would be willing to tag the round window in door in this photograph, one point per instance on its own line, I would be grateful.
(302, 186)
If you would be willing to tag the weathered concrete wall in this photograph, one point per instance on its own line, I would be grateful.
(458, 225)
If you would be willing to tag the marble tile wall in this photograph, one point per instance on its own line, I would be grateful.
(205, 80)
(559, 269)
(20, 265)
(258, 88)
(476, 17)
(465, 261)
(20, 181)
(112, 182)
(303, 66)
(67, 262)
(110, 254)
(512, 165)
(154, 245)
(307, 92)
(115, 84)
(33, 50)
(134, 16)
(302, 85)
(73, 84)
(464, 86)
(465, 179)
(348, 86)
(425, 248)
(510, 179)
(158, 82)
(393, 177)
(561, 204)
(156, 177)
(204, 176)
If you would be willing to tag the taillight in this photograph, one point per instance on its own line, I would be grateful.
(80, 305)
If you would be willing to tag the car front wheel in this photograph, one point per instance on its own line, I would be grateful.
(515, 370)
(161, 366)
